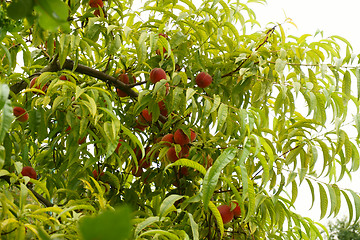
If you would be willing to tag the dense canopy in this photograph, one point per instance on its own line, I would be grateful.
(170, 121)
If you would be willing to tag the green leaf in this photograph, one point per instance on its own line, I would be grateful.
(142, 225)
(212, 176)
(222, 115)
(194, 227)
(357, 204)
(107, 225)
(217, 215)
(167, 203)
(6, 119)
(323, 201)
(19, 9)
(188, 163)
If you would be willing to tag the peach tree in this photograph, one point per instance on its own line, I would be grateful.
(170, 120)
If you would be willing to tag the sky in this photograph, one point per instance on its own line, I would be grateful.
(333, 17)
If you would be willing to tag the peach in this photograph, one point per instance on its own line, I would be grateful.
(96, 174)
(203, 80)
(226, 214)
(33, 84)
(157, 74)
(162, 107)
(168, 138)
(125, 79)
(21, 114)
(171, 154)
(145, 117)
(96, 3)
(181, 138)
(29, 171)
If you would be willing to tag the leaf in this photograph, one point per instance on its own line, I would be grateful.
(167, 203)
(217, 216)
(6, 119)
(357, 204)
(349, 204)
(248, 191)
(188, 163)
(222, 115)
(212, 175)
(194, 227)
(107, 225)
(158, 232)
(142, 225)
(323, 201)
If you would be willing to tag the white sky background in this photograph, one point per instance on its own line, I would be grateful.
(333, 17)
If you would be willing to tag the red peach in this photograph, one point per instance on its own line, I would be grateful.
(203, 80)
(145, 117)
(21, 114)
(33, 84)
(29, 171)
(181, 138)
(162, 107)
(96, 3)
(171, 154)
(168, 138)
(96, 174)
(125, 79)
(157, 74)
(226, 214)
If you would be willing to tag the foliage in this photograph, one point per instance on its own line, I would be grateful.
(342, 231)
(275, 116)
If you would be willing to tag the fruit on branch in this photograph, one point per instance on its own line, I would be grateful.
(181, 138)
(236, 209)
(137, 172)
(96, 3)
(145, 117)
(184, 171)
(96, 174)
(29, 171)
(81, 140)
(98, 14)
(168, 139)
(125, 79)
(157, 74)
(33, 84)
(145, 161)
(192, 135)
(171, 155)
(184, 153)
(226, 214)
(162, 107)
(203, 80)
(64, 78)
(21, 114)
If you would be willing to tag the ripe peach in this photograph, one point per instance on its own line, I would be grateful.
(96, 174)
(192, 135)
(139, 126)
(138, 172)
(236, 211)
(157, 74)
(125, 79)
(81, 140)
(226, 214)
(184, 151)
(96, 3)
(33, 84)
(168, 138)
(184, 171)
(171, 154)
(162, 107)
(145, 117)
(203, 80)
(181, 138)
(64, 78)
(21, 114)
(29, 171)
